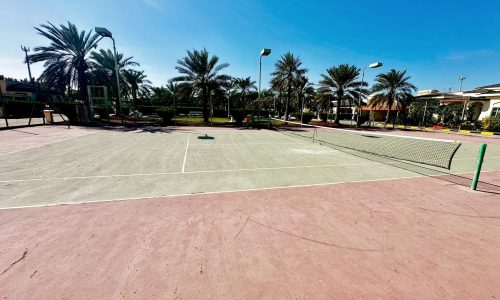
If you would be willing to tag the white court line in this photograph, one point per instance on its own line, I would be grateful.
(190, 172)
(237, 144)
(228, 191)
(212, 171)
(185, 154)
(486, 157)
(38, 146)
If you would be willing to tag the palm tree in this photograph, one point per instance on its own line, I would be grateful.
(278, 89)
(243, 87)
(304, 90)
(103, 67)
(200, 71)
(159, 95)
(66, 59)
(136, 83)
(286, 70)
(391, 87)
(340, 84)
(174, 91)
(322, 101)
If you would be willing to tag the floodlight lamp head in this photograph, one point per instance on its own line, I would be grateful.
(375, 65)
(103, 32)
(265, 52)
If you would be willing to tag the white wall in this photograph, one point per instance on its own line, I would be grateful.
(488, 107)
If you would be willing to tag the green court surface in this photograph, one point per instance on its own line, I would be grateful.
(115, 164)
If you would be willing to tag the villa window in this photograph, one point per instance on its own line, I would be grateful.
(495, 112)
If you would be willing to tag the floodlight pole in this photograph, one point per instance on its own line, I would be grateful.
(26, 50)
(260, 74)
(371, 66)
(263, 52)
(103, 32)
(461, 78)
(117, 71)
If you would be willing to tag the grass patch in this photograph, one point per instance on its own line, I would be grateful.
(200, 120)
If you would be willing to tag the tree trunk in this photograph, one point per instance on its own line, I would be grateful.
(82, 90)
(388, 115)
(134, 96)
(394, 116)
(288, 95)
(337, 113)
(205, 104)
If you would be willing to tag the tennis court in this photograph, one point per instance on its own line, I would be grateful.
(239, 213)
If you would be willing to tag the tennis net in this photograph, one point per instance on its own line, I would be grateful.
(426, 151)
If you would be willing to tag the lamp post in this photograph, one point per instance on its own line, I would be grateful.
(462, 78)
(263, 52)
(103, 32)
(26, 50)
(371, 66)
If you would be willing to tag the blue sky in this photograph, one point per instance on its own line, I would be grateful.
(436, 41)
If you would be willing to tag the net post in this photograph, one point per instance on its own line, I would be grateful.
(480, 156)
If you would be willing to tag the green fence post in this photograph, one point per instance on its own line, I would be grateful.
(479, 164)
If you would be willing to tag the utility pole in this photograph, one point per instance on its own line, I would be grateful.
(27, 60)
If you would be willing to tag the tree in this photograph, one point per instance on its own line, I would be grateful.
(322, 101)
(200, 71)
(136, 83)
(103, 67)
(390, 88)
(422, 111)
(243, 88)
(66, 59)
(304, 90)
(159, 95)
(286, 71)
(278, 89)
(340, 84)
(174, 91)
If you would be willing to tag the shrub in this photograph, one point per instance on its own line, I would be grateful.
(492, 123)
(102, 112)
(417, 109)
(238, 115)
(478, 125)
(147, 110)
(362, 119)
(306, 117)
(323, 116)
(166, 114)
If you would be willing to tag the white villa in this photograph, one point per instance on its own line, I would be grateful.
(485, 99)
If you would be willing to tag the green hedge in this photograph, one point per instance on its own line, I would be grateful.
(238, 115)
(306, 117)
(166, 114)
(492, 123)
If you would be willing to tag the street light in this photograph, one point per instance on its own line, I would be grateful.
(264, 52)
(103, 32)
(371, 66)
(462, 78)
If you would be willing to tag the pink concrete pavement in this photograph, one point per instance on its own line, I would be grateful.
(420, 238)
